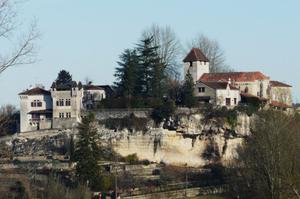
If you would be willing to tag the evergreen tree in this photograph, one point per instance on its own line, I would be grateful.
(150, 70)
(188, 97)
(126, 73)
(87, 151)
(63, 80)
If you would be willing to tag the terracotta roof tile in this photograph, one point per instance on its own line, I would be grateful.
(234, 76)
(279, 84)
(280, 104)
(195, 55)
(35, 91)
(219, 85)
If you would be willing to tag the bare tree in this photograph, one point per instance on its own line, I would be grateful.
(8, 119)
(169, 47)
(269, 163)
(22, 50)
(213, 51)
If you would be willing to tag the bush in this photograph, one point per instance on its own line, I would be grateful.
(163, 111)
(131, 159)
(129, 122)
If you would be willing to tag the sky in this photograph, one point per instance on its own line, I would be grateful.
(87, 37)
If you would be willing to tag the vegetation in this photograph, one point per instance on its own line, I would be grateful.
(130, 122)
(188, 96)
(20, 191)
(212, 50)
(268, 165)
(87, 152)
(56, 189)
(23, 47)
(163, 111)
(63, 80)
(9, 120)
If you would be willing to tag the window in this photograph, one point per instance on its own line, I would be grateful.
(61, 115)
(235, 101)
(228, 102)
(191, 63)
(68, 102)
(60, 102)
(36, 103)
(68, 115)
(201, 89)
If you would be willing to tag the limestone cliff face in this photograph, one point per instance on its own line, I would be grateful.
(187, 139)
(193, 141)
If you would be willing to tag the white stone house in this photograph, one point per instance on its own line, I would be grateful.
(280, 93)
(218, 93)
(58, 108)
(35, 109)
(93, 94)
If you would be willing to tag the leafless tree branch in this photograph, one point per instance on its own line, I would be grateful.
(24, 50)
(212, 51)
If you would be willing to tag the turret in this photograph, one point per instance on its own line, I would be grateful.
(196, 64)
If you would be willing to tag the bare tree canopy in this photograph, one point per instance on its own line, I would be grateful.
(268, 165)
(213, 51)
(169, 47)
(22, 50)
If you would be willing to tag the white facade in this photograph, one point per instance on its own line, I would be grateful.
(196, 69)
(92, 97)
(34, 112)
(217, 93)
(259, 88)
(227, 97)
(67, 106)
(42, 109)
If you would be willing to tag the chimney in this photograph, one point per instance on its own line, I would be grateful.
(229, 81)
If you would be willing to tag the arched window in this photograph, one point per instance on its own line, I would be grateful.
(246, 89)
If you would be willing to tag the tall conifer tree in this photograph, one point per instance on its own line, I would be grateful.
(87, 151)
(188, 96)
(126, 73)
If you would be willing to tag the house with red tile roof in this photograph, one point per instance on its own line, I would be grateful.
(252, 84)
(218, 93)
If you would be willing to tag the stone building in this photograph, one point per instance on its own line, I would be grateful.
(250, 85)
(58, 107)
(281, 93)
(35, 109)
(219, 93)
(67, 105)
(93, 94)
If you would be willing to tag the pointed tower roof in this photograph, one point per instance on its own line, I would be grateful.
(195, 55)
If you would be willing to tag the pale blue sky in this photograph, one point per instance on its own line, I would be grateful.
(86, 37)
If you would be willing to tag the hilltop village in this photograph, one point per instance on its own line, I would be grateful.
(60, 107)
(147, 135)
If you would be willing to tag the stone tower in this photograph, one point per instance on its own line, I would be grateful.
(196, 64)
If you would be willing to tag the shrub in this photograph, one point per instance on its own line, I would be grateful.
(130, 122)
(131, 159)
(163, 111)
